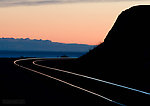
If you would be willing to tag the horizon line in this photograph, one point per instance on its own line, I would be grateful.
(44, 40)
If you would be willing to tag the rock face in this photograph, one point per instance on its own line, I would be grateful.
(129, 37)
(125, 52)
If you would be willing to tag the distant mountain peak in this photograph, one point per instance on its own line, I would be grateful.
(23, 39)
(27, 44)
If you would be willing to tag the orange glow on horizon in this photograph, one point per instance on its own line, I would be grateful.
(83, 23)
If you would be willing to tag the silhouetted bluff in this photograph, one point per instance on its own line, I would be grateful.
(125, 52)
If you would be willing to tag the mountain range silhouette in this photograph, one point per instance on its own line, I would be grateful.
(124, 56)
(20, 44)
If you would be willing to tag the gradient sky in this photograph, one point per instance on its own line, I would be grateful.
(81, 22)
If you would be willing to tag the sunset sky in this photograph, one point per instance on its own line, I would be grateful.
(66, 21)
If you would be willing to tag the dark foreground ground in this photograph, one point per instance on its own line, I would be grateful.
(121, 95)
(20, 86)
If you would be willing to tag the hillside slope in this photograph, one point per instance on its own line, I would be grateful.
(124, 56)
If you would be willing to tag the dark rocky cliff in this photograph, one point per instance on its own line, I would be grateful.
(124, 56)
(129, 37)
